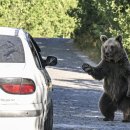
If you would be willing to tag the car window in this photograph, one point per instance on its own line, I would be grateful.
(35, 53)
(11, 49)
(38, 59)
(34, 43)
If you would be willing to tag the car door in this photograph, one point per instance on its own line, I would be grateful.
(41, 66)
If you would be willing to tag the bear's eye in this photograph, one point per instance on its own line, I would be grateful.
(105, 47)
(112, 47)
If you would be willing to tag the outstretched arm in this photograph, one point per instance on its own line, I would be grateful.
(97, 72)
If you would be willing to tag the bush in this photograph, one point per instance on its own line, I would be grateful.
(101, 17)
(46, 18)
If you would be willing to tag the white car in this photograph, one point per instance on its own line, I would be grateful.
(25, 86)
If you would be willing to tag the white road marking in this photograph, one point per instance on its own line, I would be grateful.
(39, 43)
(91, 127)
(67, 126)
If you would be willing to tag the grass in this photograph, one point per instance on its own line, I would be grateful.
(91, 51)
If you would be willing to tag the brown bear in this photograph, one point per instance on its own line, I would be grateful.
(114, 68)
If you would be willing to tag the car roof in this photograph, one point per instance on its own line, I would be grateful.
(9, 31)
(23, 35)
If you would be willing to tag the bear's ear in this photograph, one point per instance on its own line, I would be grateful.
(103, 38)
(119, 38)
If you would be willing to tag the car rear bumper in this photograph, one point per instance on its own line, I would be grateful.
(20, 113)
(21, 117)
(25, 110)
(21, 123)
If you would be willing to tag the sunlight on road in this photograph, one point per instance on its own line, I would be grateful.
(76, 94)
(73, 79)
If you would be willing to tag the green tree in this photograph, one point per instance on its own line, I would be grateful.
(110, 17)
(47, 18)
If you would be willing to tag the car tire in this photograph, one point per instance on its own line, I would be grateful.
(48, 125)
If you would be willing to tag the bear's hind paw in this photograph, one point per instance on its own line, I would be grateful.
(108, 119)
(125, 121)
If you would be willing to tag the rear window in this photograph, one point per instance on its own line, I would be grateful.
(11, 49)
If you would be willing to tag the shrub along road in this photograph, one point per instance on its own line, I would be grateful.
(75, 94)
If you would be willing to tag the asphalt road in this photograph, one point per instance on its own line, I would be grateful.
(75, 94)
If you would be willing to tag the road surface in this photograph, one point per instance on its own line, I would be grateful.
(76, 94)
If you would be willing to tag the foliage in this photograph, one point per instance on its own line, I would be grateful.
(46, 18)
(96, 17)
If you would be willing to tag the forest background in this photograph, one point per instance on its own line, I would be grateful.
(82, 20)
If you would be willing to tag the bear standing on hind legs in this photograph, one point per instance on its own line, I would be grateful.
(114, 68)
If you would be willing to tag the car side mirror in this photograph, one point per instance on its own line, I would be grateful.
(51, 61)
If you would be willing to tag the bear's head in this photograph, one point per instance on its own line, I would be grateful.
(112, 48)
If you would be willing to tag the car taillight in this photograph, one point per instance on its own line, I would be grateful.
(17, 86)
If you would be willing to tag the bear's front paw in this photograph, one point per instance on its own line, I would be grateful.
(87, 68)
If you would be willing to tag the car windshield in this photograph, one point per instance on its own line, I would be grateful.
(11, 49)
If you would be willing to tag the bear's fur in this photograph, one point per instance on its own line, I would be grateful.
(114, 68)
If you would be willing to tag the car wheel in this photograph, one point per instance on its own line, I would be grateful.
(49, 121)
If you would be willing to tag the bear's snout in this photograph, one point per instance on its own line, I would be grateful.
(108, 53)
